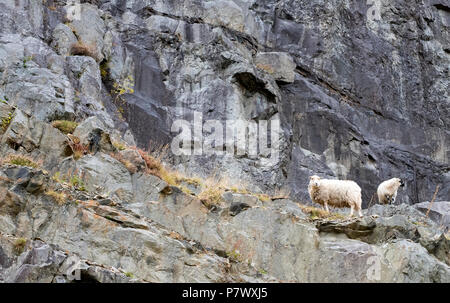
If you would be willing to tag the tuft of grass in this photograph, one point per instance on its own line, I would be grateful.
(77, 182)
(154, 165)
(120, 146)
(129, 274)
(19, 245)
(282, 193)
(262, 271)
(185, 190)
(212, 191)
(263, 197)
(22, 160)
(59, 198)
(192, 181)
(239, 190)
(65, 126)
(318, 213)
(171, 177)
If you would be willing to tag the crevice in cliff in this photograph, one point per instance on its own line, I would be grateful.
(442, 7)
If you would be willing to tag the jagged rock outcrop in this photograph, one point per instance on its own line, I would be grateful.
(362, 95)
(174, 237)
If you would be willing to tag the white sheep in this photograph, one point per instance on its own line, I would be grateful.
(337, 193)
(387, 190)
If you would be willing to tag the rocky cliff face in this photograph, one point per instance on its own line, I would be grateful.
(361, 92)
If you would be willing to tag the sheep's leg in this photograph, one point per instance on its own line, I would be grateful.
(360, 212)
(351, 210)
(393, 198)
(326, 207)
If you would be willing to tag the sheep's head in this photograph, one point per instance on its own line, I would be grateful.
(398, 182)
(314, 180)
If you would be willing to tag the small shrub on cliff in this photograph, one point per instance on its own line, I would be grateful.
(67, 127)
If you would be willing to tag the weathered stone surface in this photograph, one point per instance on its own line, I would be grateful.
(360, 95)
(102, 174)
(43, 263)
(90, 28)
(354, 229)
(94, 133)
(63, 39)
(31, 135)
(238, 234)
(279, 65)
(439, 212)
(108, 236)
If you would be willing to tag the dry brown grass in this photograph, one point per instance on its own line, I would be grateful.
(212, 189)
(59, 198)
(82, 49)
(154, 165)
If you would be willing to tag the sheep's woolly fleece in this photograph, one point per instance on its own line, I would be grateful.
(387, 190)
(337, 193)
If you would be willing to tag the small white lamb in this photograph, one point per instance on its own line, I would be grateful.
(387, 190)
(337, 193)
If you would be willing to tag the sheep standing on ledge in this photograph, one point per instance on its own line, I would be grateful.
(337, 193)
(387, 190)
